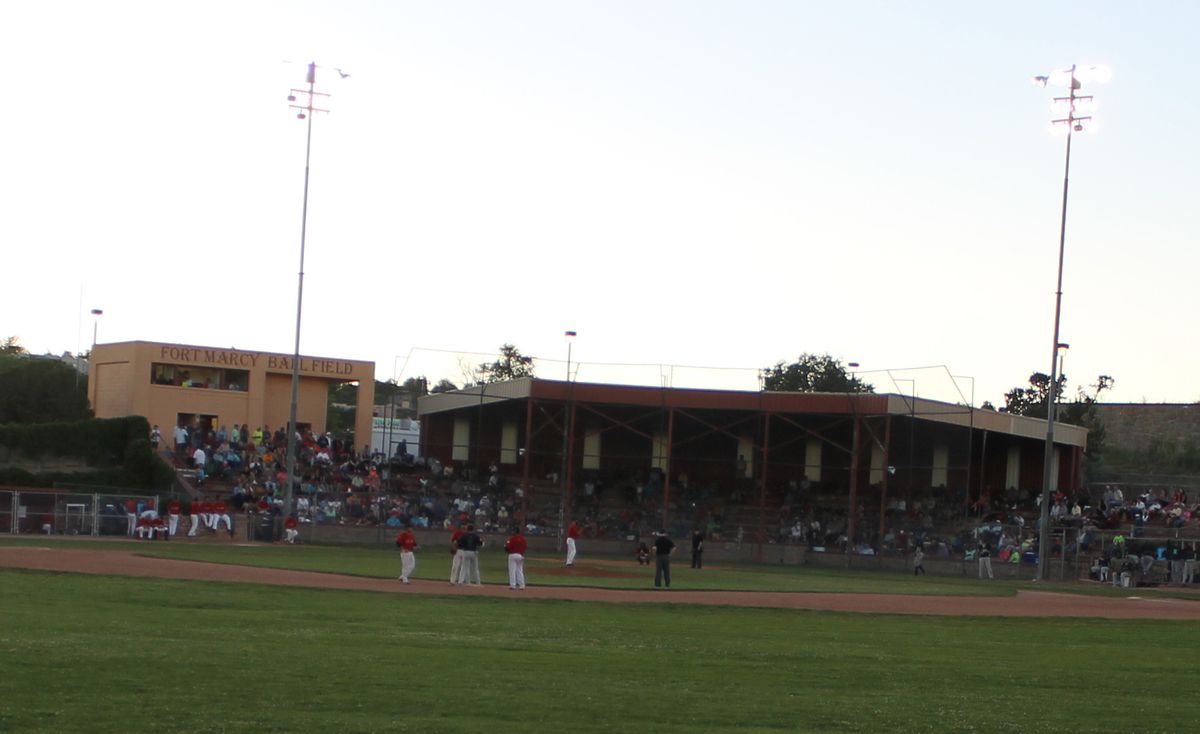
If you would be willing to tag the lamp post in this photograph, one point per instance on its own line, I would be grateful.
(1074, 108)
(568, 416)
(304, 112)
(96, 314)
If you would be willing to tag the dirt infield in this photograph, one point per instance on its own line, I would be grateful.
(1024, 604)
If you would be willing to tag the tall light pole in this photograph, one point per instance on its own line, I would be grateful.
(304, 112)
(96, 314)
(1073, 108)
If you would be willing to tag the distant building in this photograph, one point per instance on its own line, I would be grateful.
(178, 384)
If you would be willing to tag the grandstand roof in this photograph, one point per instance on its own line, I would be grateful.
(864, 404)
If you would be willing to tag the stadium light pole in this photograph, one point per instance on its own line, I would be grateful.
(96, 314)
(1073, 108)
(304, 112)
(565, 486)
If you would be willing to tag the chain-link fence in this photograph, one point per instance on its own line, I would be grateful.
(50, 512)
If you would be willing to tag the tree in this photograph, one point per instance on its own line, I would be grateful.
(510, 366)
(1081, 411)
(35, 390)
(416, 386)
(1031, 401)
(812, 373)
(443, 385)
(11, 345)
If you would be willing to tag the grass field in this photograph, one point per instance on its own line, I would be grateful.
(382, 562)
(96, 654)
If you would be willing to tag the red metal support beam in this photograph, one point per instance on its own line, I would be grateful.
(569, 485)
(525, 486)
(762, 488)
(851, 525)
(883, 482)
(667, 470)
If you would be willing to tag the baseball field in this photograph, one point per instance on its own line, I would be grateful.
(114, 636)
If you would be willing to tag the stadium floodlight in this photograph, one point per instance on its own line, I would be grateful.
(303, 112)
(1072, 118)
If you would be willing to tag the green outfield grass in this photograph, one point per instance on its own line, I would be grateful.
(434, 564)
(98, 654)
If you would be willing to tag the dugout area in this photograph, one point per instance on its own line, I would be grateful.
(754, 455)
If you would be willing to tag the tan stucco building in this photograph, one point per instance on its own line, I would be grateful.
(172, 384)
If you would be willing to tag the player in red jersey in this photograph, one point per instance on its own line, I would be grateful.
(516, 546)
(573, 534)
(173, 509)
(407, 543)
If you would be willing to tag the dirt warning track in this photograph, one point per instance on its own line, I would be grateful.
(1023, 604)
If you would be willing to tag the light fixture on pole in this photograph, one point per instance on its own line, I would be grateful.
(570, 337)
(1073, 111)
(96, 314)
(304, 112)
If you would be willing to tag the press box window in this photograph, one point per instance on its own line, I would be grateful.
(211, 378)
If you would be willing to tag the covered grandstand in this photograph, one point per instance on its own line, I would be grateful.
(757, 461)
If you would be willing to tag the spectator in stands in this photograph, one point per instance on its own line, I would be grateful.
(181, 442)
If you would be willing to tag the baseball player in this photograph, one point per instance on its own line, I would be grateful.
(407, 543)
(199, 510)
(516, 546)
(289, 529)
(573, 533)
(220, 513)
(131, 516)
(456, 552)
(469, 544)
(173, 508)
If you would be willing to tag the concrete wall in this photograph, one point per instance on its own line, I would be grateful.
(1135, 426)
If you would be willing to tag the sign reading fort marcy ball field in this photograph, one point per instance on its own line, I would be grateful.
(252, 360)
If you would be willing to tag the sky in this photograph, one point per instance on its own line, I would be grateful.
(698, 189)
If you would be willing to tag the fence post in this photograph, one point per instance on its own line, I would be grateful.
(95, 514)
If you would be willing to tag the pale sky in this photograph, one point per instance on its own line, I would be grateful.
(716, 184)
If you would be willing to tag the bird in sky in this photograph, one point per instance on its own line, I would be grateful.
(341, 73)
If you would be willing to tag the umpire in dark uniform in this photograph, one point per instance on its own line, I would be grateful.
(663, 548)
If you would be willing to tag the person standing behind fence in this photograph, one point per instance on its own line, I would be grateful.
(985, 561)
(131, 515)
(663, 548)
(456, 555)
(469, 544)
(407, 543)
(919, 561)
(289, 529)
(516, 546)
(698, 549)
